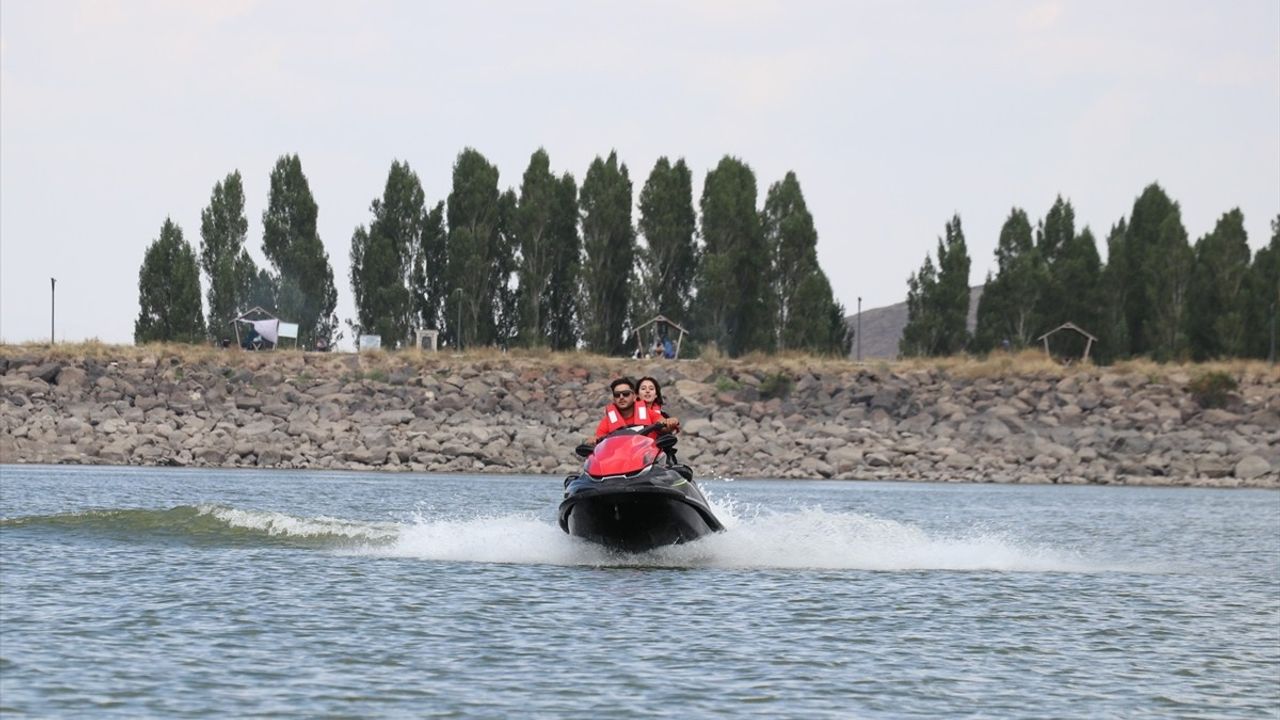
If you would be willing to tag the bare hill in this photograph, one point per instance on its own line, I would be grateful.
(882, 327)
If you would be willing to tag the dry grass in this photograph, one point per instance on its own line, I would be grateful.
(1028, 363)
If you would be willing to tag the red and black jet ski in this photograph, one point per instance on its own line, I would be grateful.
(631, 495)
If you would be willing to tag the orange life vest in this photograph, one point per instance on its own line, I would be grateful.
(614, 420)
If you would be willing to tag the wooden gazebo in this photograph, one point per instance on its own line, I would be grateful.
(1088, 343)
(658, 335)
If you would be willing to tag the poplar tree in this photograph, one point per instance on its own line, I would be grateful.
(503, 272)
(608, 241)
(938, 300)
(801, 294)
(1116, 291)
(920, 336)
(1217, 296)
(429, 281)
(668, 260)
(169, 291)
(536, 241)
(382, 258)
(1006, 310)
(1053, 237)
(1167, 277)
(562, 322)
(1077, 276)
(230, 270)
(1264, 295)
(306, 293)
(1141, 261)
(474, 236)
(733, 286)
(793, 246)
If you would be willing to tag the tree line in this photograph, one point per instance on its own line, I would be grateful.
(1157, 296)
(550, 265)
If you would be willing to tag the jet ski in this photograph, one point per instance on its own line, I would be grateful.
(632, 496)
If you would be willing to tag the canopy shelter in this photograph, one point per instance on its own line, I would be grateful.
(1088, 344)
(263, 331)
(661, 334)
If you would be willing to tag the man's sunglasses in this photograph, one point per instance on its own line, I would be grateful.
(623, 393)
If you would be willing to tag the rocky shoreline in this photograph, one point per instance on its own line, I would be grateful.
(498, 413)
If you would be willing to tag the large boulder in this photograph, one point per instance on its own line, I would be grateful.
(1252, 466)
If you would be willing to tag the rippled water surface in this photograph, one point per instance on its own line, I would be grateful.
(152, 592)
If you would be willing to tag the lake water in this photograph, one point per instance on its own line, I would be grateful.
(196, 593)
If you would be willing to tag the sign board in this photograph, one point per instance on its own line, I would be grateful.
(370, 342)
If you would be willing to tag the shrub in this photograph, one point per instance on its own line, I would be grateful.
(777, 385)
(1210, 389)
(724, 383)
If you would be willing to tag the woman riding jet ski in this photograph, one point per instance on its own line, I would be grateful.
(632, 496)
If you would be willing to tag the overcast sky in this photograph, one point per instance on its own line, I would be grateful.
(894, 115)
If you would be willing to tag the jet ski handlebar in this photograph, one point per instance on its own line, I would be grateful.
(585, 449)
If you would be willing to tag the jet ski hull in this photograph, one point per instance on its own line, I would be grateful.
(636, 514)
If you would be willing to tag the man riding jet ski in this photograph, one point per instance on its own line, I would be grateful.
(631, 494)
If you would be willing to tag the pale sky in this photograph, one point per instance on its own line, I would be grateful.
(894, 115)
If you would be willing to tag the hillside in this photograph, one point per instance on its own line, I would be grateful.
(882, 327)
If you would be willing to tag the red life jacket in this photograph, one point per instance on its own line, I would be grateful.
(613, 419)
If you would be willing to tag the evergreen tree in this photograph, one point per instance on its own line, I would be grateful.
(474, 236)
(382, 258)
(169, 291)
(669, 257)
(536, 240)
(608, 241)
(429, 280)
(938, 300)
(223, 257)
(1006, 310)
(1167, 275)
(561, 297)
(1264, 296)
(733, 287)
(305, 290)
(1217, 296)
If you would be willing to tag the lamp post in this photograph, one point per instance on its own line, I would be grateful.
(857, 334)
(53, 286)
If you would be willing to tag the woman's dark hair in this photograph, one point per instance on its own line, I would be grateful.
(622, 381)
(656, 386)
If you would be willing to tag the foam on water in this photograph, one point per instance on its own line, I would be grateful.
(279, 524)
(808, 538)
(805, 538)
